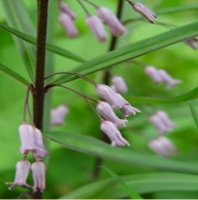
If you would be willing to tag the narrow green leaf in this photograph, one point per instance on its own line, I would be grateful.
(90, 145)
(131, 193)
(49, 47)
(17, 16)
(141, 183)
(132, 51)
(13, 74)
(194, 113)
(184, 97)
(175, 9)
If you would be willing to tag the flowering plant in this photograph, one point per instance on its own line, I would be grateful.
(132, 115)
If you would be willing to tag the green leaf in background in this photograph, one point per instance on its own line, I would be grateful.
(49, 47)
(132, 51)
(141, 183)
(90, 145)
(193, 112)
(13, 74)
(17, 16)
(129, 191)
(184, 97)
(175, 9)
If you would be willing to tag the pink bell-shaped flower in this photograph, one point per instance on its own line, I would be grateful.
(58, 114)
(26, 133)
(22, 171)
(38, 172)
(111, 21)
(38, 141)
(162, 146)
(107, 112)
(127, 110)
(113, 133)
(144, 11)
(68, 24)
(66, 9)
(96, 26)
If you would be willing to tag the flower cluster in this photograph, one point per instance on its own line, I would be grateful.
(94, 22)
(161, 76)
(111, 121)
(31, 141)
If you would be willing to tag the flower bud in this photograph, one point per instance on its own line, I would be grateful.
(26, 133)
(162, 146)
(57, 115)
(170, 82)
(38, 172)
(107, 112)
(144, 11)
(22, 171)
(68, 25)
(120, 84)
(66, 9)
(113, 133)
(96, 26)
(111, 20)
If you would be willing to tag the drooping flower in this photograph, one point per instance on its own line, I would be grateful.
(66, 9)
(68, 24)
(113, 98)
(107, 112)
(153, 73)
(170, 82)
(96, 26)
(165, 118)
(58, 114)
(22, 171)
(127, 110)
(38, 172)
(113, 133)
(144, 11)
(26, 133)
(120, 84)
(161, 121)
(158, 123)
(160, 76)
(116, 27)
(162, 146)
(38, 141)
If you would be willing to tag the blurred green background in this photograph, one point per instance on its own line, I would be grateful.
(67, 169)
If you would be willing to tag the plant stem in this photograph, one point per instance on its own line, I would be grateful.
(106, 81)
(38, 96)
(107, 74)
(40, 64)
